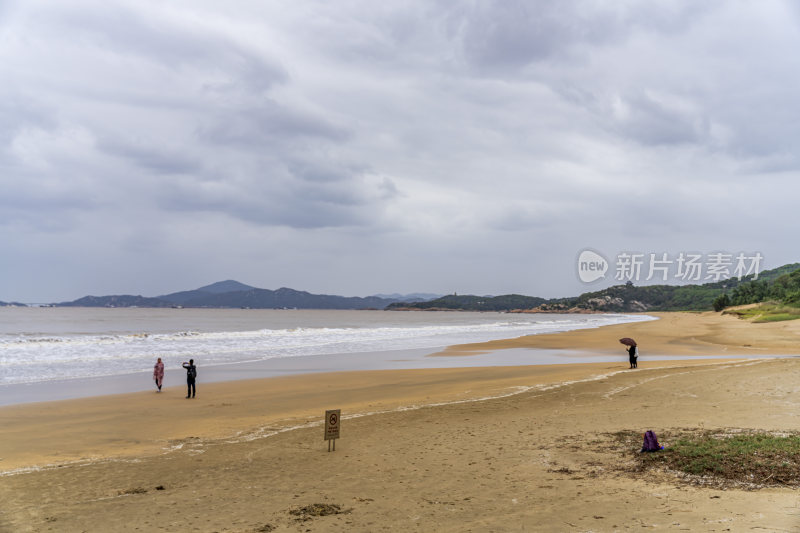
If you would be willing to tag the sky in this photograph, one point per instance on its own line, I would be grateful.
(360, 147)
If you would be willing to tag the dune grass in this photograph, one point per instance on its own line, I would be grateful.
(746, 457)
(766, 312)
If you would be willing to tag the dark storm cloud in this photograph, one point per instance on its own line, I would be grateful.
(171, 41)
(50, 205)
(18, 112)
(763, 128)
(301, 195)
(441, 142)
(150, 157)
(265, 125)
(201, 114)
(499, 35)
(641, 117)
(674, 93)
(648, 121)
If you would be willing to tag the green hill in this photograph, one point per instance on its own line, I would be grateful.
(777, 298)
(474, 303)
(782, 284)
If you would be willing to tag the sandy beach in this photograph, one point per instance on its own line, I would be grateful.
(695, 334)
(525, 448)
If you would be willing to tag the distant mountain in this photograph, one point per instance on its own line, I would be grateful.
(780, 284)
(119, 300)
(225, 286)
(285, 297)
(232, 294)
(12, 304)
(221, 287)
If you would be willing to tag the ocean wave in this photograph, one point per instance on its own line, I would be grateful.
(31, 357)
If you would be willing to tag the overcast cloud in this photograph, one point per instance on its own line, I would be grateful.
(356, 147)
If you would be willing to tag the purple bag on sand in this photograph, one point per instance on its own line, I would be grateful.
(651, 442)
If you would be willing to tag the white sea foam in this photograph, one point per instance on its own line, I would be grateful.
(88, 350)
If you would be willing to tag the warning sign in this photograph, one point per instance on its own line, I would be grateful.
(332, 418)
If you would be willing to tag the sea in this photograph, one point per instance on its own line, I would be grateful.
(43, 345)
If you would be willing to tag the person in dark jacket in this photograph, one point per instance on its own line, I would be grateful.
(191, 376)
(632, 355)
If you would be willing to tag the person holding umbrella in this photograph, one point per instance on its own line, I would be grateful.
(633, 351)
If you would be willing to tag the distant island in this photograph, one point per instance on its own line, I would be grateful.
(12, 304)
(233, 294)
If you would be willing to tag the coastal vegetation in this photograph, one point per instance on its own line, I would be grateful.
(474, 303)
(780, 285)
(733, 457)
(764, 300)
(766, 312)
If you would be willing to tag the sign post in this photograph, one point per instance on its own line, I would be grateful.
(332, 418)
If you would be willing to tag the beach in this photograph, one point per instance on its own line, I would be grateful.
(687, 333)
(507, 448)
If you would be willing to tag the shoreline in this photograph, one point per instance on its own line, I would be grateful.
(295, 401)
(102, 386)
(398, 359)
(674, 333)
(231, 346)
(441, 449)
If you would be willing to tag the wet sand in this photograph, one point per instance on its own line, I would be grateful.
(473, 449)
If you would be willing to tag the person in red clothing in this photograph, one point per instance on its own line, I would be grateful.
(158, 373)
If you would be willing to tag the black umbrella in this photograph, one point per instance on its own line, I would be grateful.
(627, 341)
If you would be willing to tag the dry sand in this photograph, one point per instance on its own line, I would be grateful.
(420, 451)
